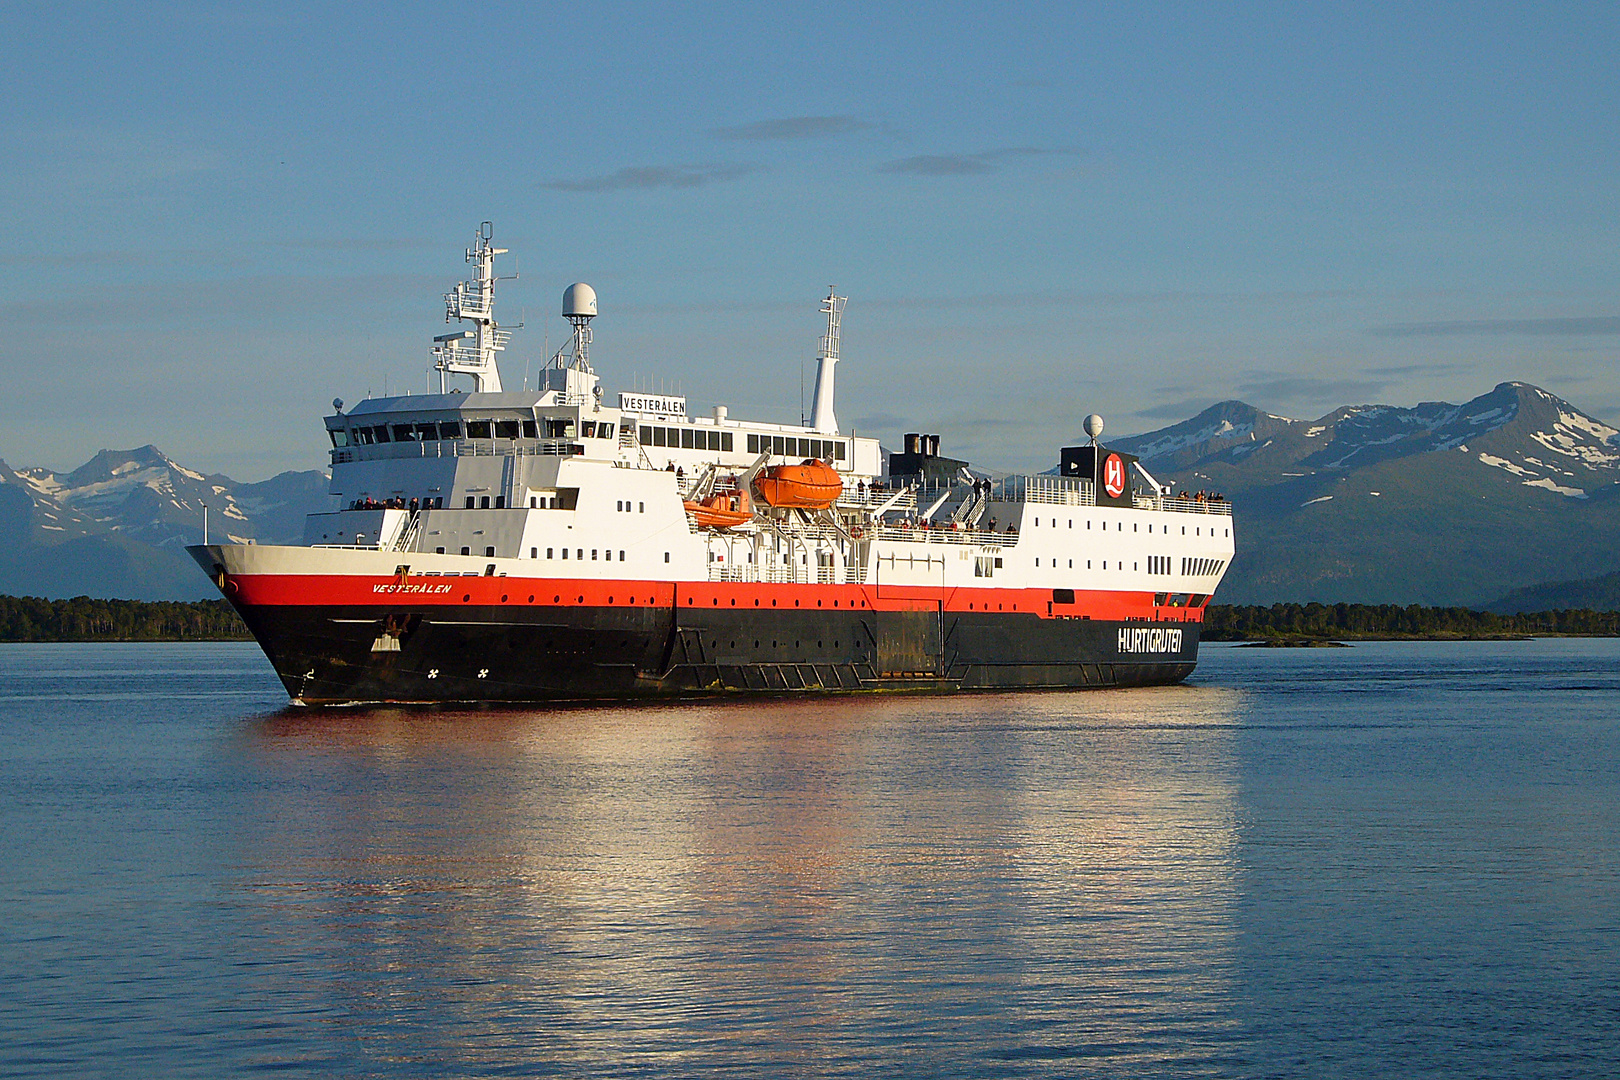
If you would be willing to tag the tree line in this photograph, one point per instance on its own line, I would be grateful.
(1233, 622)
(33, 618)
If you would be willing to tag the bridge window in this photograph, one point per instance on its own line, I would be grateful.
(380, 433)
(449, 429)
(530, 430)
(506, 429)
(479, 429)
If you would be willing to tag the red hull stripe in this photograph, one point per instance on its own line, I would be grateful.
(277, 590)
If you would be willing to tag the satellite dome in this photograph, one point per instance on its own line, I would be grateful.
(337, 403)
(579, 301)
(1094, 425)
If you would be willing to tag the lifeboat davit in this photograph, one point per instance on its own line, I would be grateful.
(810, 485)
(720, 511)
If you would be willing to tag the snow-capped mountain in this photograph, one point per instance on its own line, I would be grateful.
(1539, 439)
(1438, 503)
(118, 524)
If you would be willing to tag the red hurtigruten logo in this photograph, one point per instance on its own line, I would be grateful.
(1114, 476)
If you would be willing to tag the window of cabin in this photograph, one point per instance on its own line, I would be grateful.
(489, 553)
(534, 553)
(449, 429)
(565, 553)
(530, 430)
(753, 444)
(483, 503)
(438, 551)
(686, 439)
(404, 433)
(380, 433)
(500, 502)
(725, 441)
(427, 432)
(658, 437)
(646, 436)
(466, 551)
(479, 429)
(621, 556)
(549, 551)
(469, 502)
(507, 429)
(587, 429)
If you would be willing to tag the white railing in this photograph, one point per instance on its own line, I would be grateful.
(975, 537)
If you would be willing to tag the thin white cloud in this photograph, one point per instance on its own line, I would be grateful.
(987, 161)
(794, 127)
(647, 177)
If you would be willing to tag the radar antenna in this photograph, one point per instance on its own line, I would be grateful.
(472, 352)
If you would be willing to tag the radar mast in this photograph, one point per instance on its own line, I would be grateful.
(472, 352)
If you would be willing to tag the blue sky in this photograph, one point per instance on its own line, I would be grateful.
(216, 218)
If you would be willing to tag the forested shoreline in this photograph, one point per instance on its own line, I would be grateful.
(83, 618)
(32, 618)
(1387, 622)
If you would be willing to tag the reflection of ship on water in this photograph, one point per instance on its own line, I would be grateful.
(548, 543)
(757, 883)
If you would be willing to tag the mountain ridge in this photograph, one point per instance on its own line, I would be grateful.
(118, 525)
(1435, 504)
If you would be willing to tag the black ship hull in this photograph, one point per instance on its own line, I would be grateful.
(346, 654)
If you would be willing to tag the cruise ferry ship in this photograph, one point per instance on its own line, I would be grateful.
(553, 543)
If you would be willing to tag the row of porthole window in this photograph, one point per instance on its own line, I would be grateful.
(1198, 530)
(623, 506)
(715, 602)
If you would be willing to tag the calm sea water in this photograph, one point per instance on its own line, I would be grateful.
(1390, 860)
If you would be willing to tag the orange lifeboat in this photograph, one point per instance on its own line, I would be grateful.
(811, 485)
(720, 511)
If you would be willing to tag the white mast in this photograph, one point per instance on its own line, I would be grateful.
(472, 352)
(821, 411)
